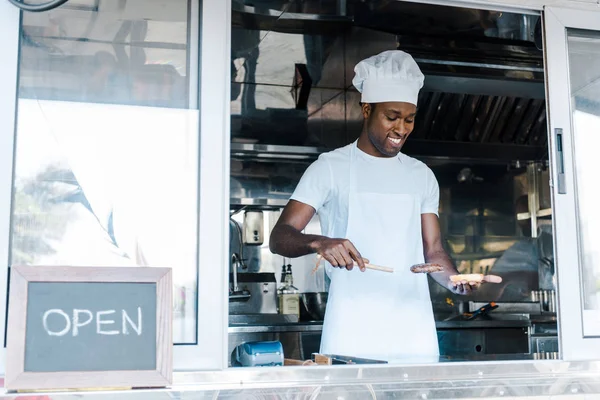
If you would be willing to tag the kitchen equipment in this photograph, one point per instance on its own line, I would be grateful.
(312, 306)
(520, 307)
(547, 300)
(481, 311)
(261, 290)
(258, 354)
(253, 232)
(235, 293)
(335, 359)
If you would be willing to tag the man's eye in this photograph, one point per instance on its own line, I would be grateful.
(390, 118)
(410, 121)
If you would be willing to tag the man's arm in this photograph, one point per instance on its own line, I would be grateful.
(434, 253)
(288, 240)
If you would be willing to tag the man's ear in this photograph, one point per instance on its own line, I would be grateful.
(367, 109)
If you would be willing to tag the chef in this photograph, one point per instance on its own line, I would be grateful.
(379, 206)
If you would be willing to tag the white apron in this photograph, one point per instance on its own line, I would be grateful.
(380, 315)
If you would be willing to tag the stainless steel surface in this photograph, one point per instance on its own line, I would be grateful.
(478, 65)
(235, 294)
(262, 319)
(298, 327)
(546, 356)
(533, 196)
(246, 151)
(278, 203)
(553, 301)
(253, 232)
(489, 323)
(508, 341)
(510, 307)
(260, 291)
(545, 380)
(272, 151)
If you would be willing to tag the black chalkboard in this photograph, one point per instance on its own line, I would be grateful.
(90, 327)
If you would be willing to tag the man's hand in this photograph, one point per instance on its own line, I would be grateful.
(466, 283)
(339, 253)
(462, 287)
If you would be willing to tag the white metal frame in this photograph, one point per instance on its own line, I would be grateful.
(557, 20)
(9, 65)
(213, 243)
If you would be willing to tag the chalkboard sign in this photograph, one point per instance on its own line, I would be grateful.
(83, 327)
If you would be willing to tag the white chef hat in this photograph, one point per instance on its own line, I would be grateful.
(389, 76)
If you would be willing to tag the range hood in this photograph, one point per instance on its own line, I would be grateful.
(484, 93)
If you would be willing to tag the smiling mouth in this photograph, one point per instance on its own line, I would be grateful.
(395, 142)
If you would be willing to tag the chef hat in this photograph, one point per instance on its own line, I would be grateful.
(389, 76)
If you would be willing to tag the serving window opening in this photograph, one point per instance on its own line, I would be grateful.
(480, 127)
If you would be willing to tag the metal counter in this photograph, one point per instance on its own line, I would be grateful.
(317, 326)
(468, 380)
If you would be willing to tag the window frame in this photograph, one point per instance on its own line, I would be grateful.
(573, 343)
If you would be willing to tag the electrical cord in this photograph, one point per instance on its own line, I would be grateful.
(50, 5)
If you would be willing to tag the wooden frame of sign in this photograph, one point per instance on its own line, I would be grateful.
(17, 378)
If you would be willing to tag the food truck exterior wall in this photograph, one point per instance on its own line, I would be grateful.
(10, 31)
(544, 378)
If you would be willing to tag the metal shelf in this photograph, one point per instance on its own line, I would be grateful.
(270, 151)
(261, 202)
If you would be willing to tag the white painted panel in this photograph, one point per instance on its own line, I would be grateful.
(9, 48)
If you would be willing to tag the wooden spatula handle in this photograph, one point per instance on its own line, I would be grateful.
(377, 267)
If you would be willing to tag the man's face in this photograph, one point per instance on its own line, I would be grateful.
(389, 125)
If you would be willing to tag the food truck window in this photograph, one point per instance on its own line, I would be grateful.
(480, 127)
(573, 46)
(106, 162)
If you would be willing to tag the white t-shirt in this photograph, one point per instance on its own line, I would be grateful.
(325, 184)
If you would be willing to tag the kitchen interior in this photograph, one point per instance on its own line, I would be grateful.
(481, 127)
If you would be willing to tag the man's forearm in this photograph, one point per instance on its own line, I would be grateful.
(289, 242)
(440, 257)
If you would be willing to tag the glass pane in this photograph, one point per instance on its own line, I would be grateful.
(107, 143)
(584, 64)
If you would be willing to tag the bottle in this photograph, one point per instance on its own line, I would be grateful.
(289, 296)
(283, 275)
(280, 289)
